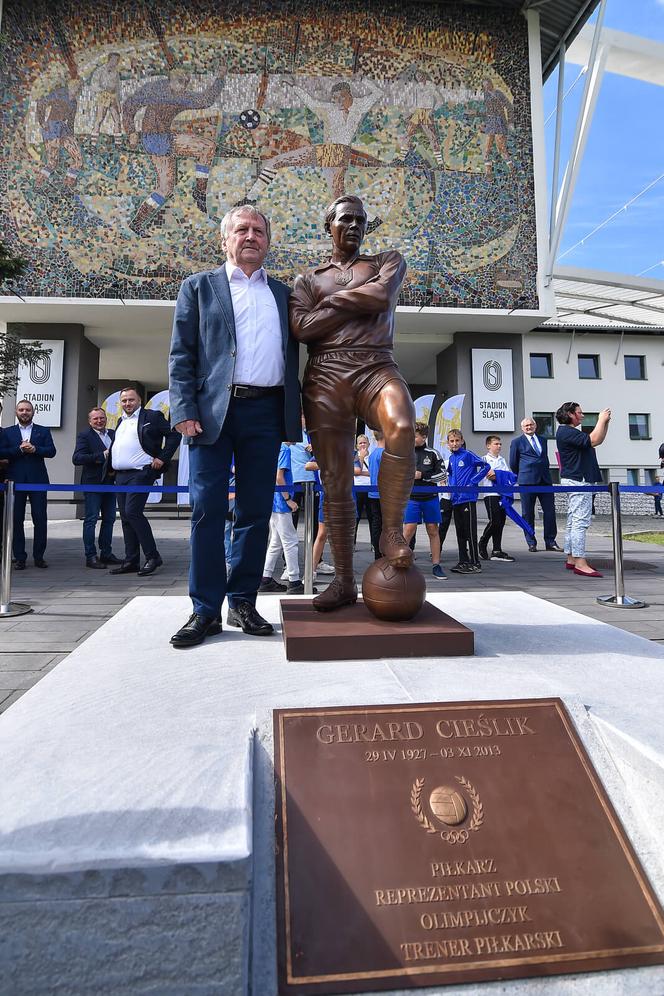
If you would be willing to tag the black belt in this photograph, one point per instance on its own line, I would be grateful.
(247, 391)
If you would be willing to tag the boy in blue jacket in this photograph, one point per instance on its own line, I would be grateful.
(464, 470)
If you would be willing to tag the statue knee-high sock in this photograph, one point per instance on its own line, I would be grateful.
(340, 522)
(395, 484)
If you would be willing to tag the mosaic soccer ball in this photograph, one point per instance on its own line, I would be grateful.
(448, 805)
(393, 593)
(250, 119)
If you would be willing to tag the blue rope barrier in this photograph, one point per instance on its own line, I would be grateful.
(648, 489)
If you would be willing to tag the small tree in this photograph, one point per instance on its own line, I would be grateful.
(13, 352)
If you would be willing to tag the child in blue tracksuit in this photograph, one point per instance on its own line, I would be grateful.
(465, 468)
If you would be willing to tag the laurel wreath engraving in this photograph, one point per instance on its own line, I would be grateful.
(416, 806)
(451, 836)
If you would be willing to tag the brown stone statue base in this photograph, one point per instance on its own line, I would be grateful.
(353, 633)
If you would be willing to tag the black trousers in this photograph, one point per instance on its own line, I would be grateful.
(494, 528)
(550, 529)
(375, 517)
(298, 494)
(361, 500)
(135, 527)
(39, 520)
(446, 512)
(465, 523)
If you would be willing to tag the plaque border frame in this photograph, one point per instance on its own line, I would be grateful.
(279, 715)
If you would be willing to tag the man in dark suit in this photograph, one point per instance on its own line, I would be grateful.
(26, 447)
(143, 446)
(529, 460)
(233, 390)
(91, 453)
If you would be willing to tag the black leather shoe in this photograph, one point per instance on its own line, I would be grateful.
(110, 560)
(125, 568)
(245, 616)
(95, 564)
(150, 566)
(195, 630)
(40, 563)
(554, 547)
(19, 565)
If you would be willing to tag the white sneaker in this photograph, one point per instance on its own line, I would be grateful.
(324, 568)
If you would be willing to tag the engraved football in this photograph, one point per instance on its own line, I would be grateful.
(448, 805)
(393, 593)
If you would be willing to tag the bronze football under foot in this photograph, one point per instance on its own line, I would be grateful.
(340, 591)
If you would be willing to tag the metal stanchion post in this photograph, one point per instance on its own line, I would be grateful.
(308, 537)
(620, 600)
(7, 607)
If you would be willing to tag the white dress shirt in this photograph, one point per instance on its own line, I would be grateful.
(105, 438)
(496, 463)
(26, 433)
(127, 452)
(260, 360)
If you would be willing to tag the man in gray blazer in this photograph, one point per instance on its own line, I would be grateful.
(234, 396)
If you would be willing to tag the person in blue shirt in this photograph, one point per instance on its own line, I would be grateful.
(283, 534)
(374, 514)
(462, 470)
(579, 467)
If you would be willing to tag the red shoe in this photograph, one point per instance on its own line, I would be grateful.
(588, 574)
(568, 566)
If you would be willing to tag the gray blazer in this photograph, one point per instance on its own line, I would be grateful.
(202, 357)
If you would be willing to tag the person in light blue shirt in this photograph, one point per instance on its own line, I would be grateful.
(374, 513)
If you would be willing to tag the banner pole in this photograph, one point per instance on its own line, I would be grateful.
(619, 600)
(7, 607)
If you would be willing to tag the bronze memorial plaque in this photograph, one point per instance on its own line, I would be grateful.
(419, 845)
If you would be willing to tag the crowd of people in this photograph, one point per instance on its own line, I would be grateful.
(143, 443)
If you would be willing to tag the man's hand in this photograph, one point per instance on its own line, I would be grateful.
(190, 427)
(157, 464)
(27, 447)
(106, 452)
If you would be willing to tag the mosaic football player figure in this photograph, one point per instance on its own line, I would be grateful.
(344, 311)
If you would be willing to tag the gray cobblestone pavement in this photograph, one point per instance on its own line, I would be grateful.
(70, 602)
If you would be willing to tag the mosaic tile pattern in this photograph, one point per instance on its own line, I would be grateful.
(131, 127)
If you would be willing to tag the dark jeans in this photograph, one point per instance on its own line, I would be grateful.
(494, 528)
(135, 527)
(252, 431)
(298, 494)
(375, 517)
(39, 519)
(96, 502)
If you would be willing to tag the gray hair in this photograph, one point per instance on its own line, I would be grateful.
(225, 225)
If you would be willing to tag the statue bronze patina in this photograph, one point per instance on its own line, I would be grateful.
(344, 311)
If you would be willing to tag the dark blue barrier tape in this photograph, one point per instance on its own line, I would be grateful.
(647, 489)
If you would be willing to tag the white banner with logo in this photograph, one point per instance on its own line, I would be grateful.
(448, 417)
(493, 390)
(40, 382)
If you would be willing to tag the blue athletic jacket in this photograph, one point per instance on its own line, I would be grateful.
(462, 469)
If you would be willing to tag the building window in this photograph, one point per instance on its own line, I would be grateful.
(588, 366)
(541, 365)
(589, 422)
(546, 424)
(639, 427)
(633, 475)
(653, 476)
(635, 368)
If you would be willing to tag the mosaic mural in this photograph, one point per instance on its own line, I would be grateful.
(131, 127)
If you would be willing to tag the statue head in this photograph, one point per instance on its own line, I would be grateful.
(346, 222)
